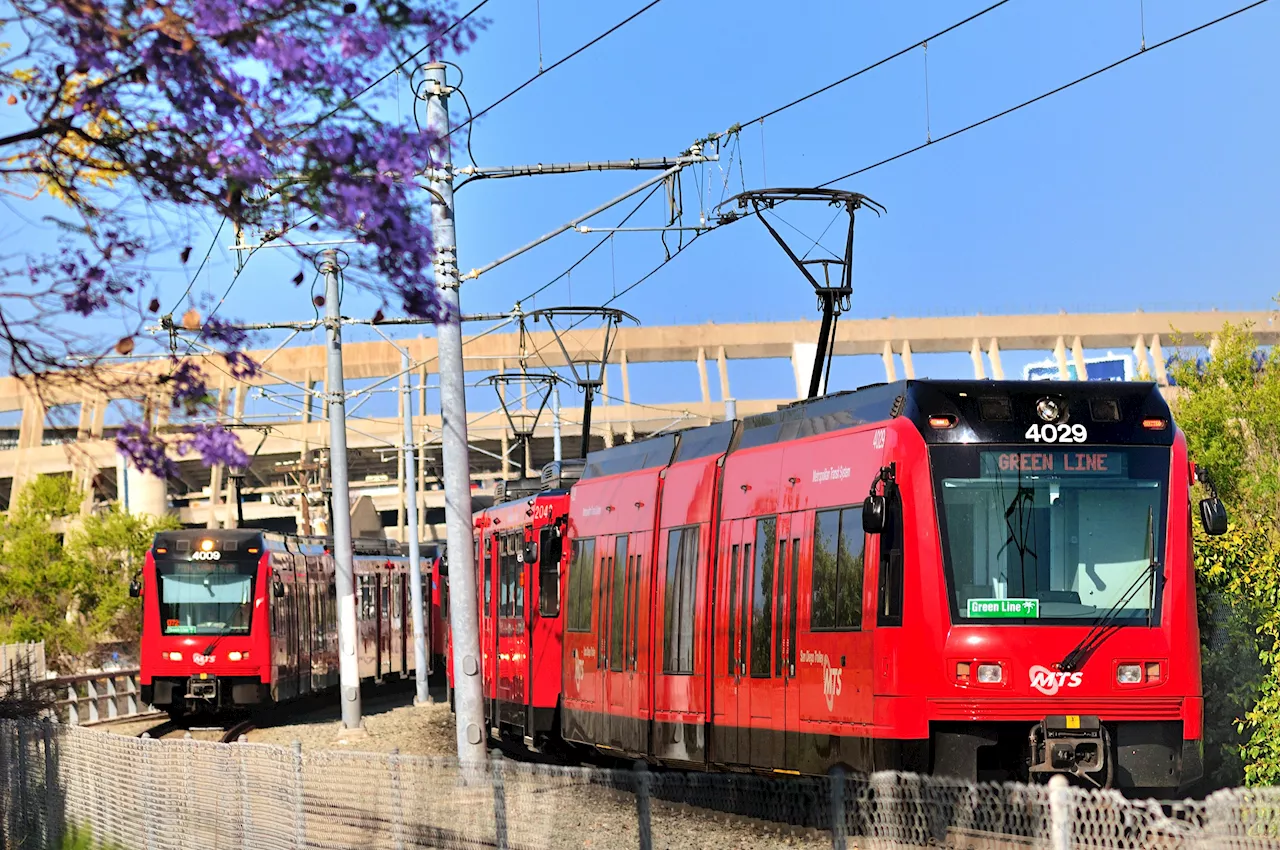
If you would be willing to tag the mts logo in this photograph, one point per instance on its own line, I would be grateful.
(831, 684)
(1048, 681)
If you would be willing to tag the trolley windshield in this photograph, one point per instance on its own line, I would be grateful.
(1051, 536)
(205, 599)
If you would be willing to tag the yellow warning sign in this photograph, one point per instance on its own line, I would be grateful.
(1073, 721)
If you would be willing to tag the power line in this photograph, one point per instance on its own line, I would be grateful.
(1140, 52)
(555, 65)
(875, 65)
(352, 99)
(593, 249)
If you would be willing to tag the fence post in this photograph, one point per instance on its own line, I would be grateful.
(839, 821)
(73, 705)
(246, 814)
(131, 695)
(148, 795)
(113, 698)
(91, 695)
(1059, 813)
(299, 804)
(397, 799)
(51, 836)
(642, 804)
(497, 772)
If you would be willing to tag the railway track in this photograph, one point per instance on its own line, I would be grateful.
(233, 734)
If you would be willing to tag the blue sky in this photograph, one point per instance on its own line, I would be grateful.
(1155, 185)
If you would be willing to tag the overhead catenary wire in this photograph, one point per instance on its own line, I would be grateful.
(601, 37)
(829, 86)
(1117, 63)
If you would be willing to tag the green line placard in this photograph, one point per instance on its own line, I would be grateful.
(996, 608)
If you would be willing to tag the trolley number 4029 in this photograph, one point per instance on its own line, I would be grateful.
(1061, 433)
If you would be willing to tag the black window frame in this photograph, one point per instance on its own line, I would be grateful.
(550, 554)
(618, 599)
(847, 518)
(765, 574)
(679, 614)
(891, 579)
(578, 617)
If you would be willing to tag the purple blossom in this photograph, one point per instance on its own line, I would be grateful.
(223, 331)
(188, 385)
(215, 444)
(145, 450)
(242, 366)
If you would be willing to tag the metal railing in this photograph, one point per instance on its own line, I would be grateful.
(99, 697)
(158, 794)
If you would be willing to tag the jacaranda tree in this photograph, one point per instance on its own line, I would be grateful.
(249, 112)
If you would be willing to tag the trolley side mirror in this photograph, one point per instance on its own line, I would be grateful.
(277, 588)
(874, 509)
(531, 552)
(1213, 516)
(135, 589)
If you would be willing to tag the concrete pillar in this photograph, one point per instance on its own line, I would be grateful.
(626, 396)
(1140, 367)
(1157, 362)
(216, 471)
(703, 383)
(722, 366)
(31, 428)
(803, 355)
(890, 373)
(993, 354)
(140, 493)
(506, 454)
(401, 484)
(1060, 354)
(1077, 354)
(233, 494)
(99, 422)
(908, 367)
(975, 354)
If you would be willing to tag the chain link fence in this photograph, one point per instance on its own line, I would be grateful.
(143, 794)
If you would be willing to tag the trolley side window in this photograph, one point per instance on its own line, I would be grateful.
(762, 598)
(732, 654)
(550, 549)
(581, 579)
(838, 564)
(681, 593)
(889, 609)
(621, 587)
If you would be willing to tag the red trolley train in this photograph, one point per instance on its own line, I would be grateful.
(240, 618)
(520, 555)
(991, 580)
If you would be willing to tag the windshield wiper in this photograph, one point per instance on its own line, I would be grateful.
(226, 630)
(1075, 659)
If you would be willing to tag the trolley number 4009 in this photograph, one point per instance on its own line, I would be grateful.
(1061, 433)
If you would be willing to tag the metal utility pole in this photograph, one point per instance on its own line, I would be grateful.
(411, 526)
(555, 420)
(463, 609)
(340, 515)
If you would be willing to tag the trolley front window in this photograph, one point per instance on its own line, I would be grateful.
(196, 599)
(1051, 536)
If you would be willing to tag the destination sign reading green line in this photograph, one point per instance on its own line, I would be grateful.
(1004, 608)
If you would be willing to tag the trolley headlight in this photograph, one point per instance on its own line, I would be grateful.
(237, 656)
(990, 674)
(173, 656)
(1129, 674)
(1049, 409)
